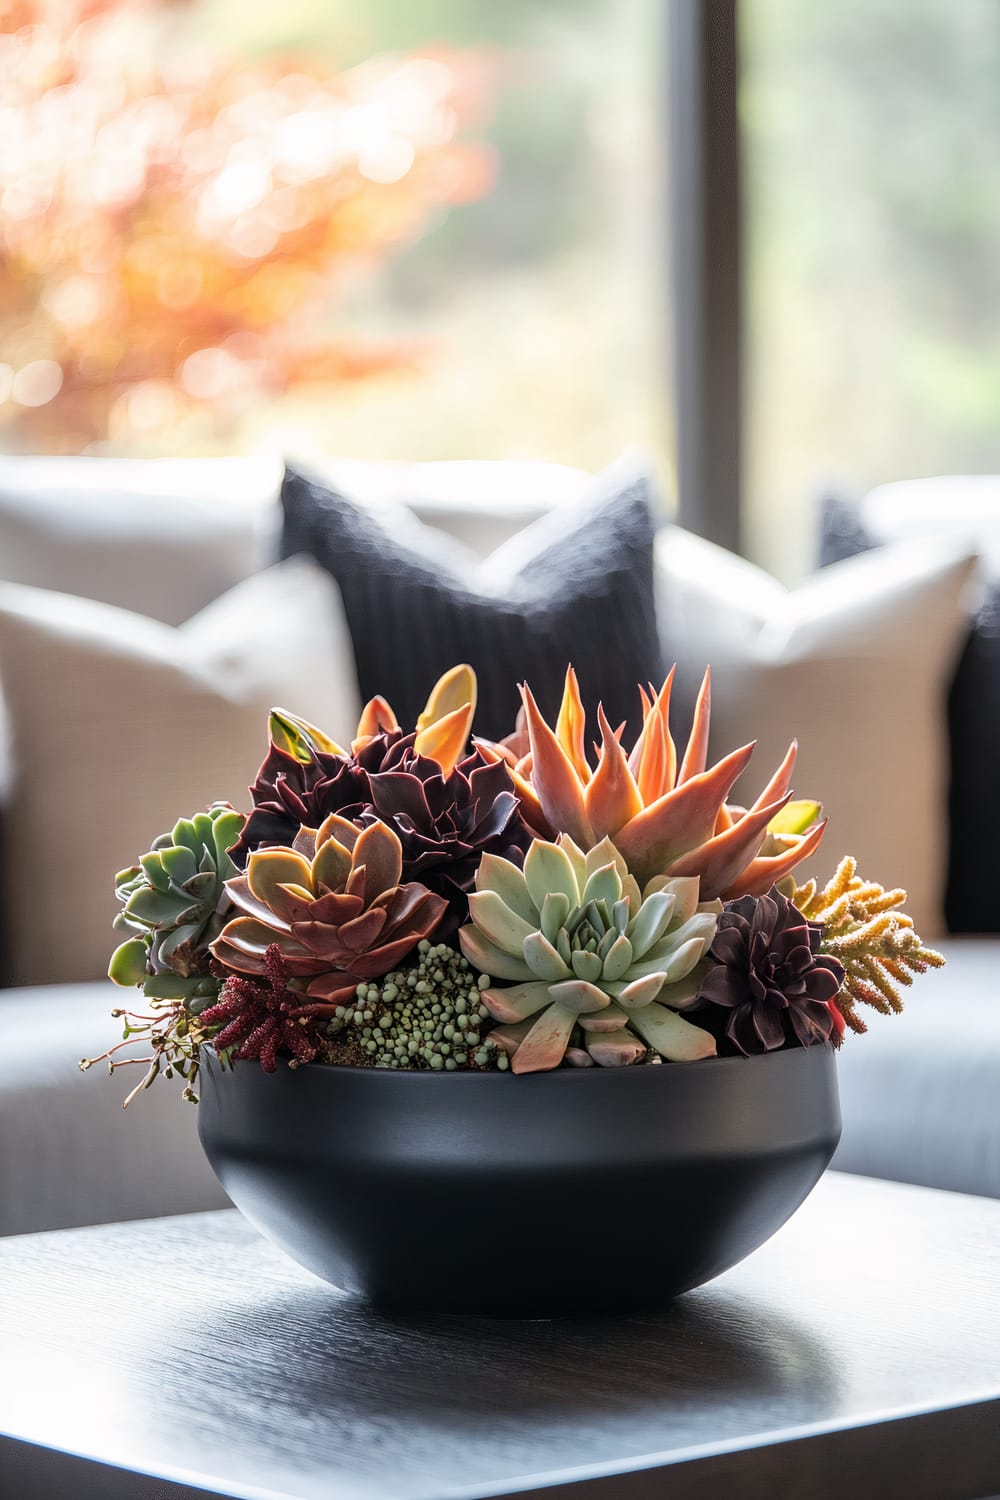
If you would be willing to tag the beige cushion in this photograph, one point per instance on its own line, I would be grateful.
(856, 664)
(121, 724)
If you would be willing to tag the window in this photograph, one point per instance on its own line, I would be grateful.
(378, 230)
(871, 145)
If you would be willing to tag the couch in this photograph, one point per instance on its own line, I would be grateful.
(842, 661)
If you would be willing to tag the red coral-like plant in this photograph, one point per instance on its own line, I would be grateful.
(261, 1017)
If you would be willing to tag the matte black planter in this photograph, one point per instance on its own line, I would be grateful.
(576, 1190)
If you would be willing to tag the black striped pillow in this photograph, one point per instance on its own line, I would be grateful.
(575, 586)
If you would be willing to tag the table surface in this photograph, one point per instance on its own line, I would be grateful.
(856, 1353)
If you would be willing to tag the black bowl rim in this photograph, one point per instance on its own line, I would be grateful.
(705, 1064)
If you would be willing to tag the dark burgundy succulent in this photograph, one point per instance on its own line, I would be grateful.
(769, 973)
(289, 793)
(262, 1018)
(445, 823)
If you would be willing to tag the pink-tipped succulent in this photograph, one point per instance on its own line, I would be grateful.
(667, 817)
(332, 905)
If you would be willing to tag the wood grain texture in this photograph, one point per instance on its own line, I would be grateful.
(857, 1353)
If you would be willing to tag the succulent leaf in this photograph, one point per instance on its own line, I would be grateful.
(619, 958)
(516, 1001)
(487, 958)
(795, 817)
(543, 960)
(331, 865)
(297, 737)
(377, 718)
(603, 885)
(554, 779)
(696, 752)
(495, 920)
(611, 797)
(587, 965)
(679, 965)
(154, 908)
(445, 741)
(454, 691)
(128, 962)
(545, 1044)
(176, 864)
(609, 1019)
(674, 1038)
(158, 877)
(615, 1049)
(504, 877)
(555, 910)
(651, 922)
(270, 871)
(571, 725)
(549, 870)
(641, 991)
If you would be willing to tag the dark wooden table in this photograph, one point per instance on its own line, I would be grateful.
(857, 1354)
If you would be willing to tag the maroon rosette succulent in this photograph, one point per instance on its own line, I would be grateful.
(445, 820)
(290, 793)
(334, 906)
(768, 972)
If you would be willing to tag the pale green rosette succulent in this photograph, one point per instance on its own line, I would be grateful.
(596, 970)
(174, 904)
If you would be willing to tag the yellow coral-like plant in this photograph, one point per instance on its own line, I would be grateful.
(876, 942)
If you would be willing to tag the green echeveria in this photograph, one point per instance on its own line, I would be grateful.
(596, 970)
(174, 903)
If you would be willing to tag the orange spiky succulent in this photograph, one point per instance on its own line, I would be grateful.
(666, 818)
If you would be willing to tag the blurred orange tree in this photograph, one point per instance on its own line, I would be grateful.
(175, 229)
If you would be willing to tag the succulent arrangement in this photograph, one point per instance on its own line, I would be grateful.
(422, 899)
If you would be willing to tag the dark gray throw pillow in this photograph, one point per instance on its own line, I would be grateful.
(575, 586)
(971, 903)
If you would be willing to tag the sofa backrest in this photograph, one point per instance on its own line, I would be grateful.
(164, 537)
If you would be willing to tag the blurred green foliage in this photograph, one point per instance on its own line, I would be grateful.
(872, 190)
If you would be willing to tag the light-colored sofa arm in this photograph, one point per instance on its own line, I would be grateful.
(921, 1092)
(69, 1154)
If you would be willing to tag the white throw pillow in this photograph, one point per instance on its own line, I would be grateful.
(121, 724)
(163, 536)
(855, 663)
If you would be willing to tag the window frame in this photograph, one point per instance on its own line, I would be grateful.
(705, 236)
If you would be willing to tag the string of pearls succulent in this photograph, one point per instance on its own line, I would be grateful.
(428, 1014)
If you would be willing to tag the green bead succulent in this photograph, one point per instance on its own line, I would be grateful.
(596, 970)
(174, 904)
(428, 1014)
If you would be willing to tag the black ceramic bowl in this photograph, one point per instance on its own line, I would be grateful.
(580, 1189)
